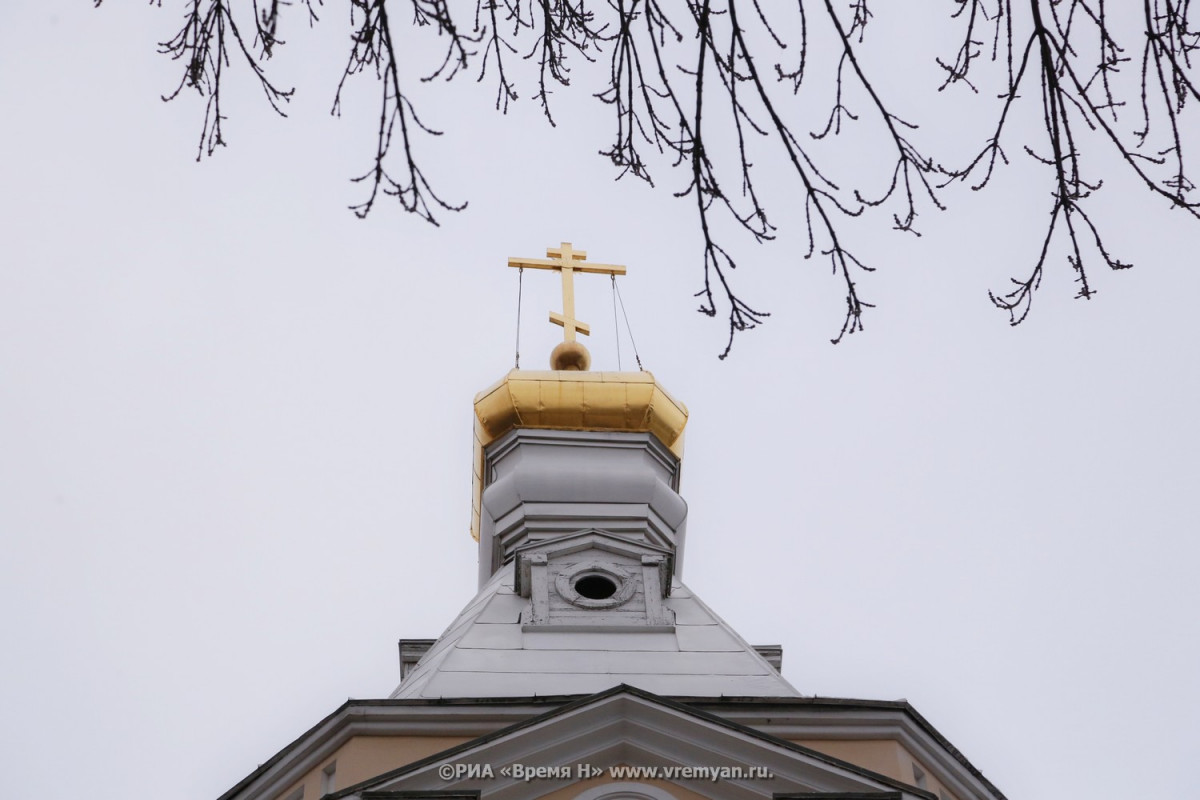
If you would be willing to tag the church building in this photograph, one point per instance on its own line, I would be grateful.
(585, 668)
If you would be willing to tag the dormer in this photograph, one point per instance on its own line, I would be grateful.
(594, 580)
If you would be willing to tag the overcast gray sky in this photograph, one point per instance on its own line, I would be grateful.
(235, 431)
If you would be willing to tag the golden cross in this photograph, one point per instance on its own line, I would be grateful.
(568, 262)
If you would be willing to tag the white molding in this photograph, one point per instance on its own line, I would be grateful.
(625, 728)
(625, 790)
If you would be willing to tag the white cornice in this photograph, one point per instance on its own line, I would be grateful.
(787, 720)
(630, 727)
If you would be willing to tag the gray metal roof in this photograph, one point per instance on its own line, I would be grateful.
(487, 652)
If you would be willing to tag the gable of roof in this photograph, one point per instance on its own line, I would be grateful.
(797, 718)
(626, 727)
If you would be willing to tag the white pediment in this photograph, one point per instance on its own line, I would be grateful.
(619, 732)
(604, 544)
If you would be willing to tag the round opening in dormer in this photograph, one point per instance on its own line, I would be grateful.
(596, 587)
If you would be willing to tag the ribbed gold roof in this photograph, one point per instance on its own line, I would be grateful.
(573, 401)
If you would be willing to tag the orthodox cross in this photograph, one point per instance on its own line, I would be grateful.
(567, 261)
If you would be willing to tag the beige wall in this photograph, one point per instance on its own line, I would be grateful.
(884, 756)
(367, 756)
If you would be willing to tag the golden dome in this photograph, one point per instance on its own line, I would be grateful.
(573, 401)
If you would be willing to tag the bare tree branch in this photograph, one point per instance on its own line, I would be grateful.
(202, 45)
(374, 49)
(687, 93)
